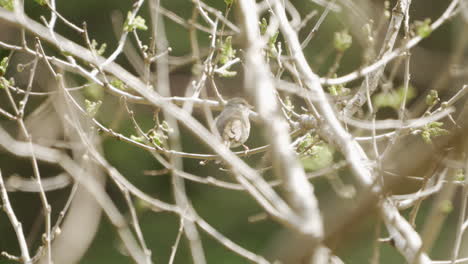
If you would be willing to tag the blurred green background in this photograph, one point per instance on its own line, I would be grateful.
(227, 211)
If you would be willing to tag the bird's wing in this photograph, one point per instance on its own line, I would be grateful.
(233, 130)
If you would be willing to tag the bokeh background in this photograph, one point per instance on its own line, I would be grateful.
(227, 211)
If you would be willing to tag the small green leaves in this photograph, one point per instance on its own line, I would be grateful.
(93, 91)
(41, 2)
(339, 89)
(423, 28)
(7, 4)
(157, 135)
(227, 52)
(136, 23)
(140, 139)
(4, 83)
(92, 107)
(3, 66)
(263, 26)
(305, 146)
(271, 50)
(101, 49)
(432, 98)
(393, 99)
(342, 41)
(166, 128)
(119, 84)
(431, 130)
(228, 2)
(157, 138)
(317, 154)
(322, 157)
(459, 175)
(446, 206)
(160, 134)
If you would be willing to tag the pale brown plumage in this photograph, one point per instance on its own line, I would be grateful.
(233, 122)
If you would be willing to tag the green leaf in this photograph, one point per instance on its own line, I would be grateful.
(93, 91)
(157, 138)
(431, 130)
(271, 45)
(3, 66)
(101, 49)
(338, 90)
(393, 99)
(446, 206)
(263, 26)
(4, 83)
(119, 84)
(426, 136)
(92, 107)
(227, 52)
(322, 157)
(306, 144)
(136, 23)
(273, 39)
(342, 40)
(7, 4)
(140, 139)
(389, 99)
(271, 51)
(228, 2)
(459, 175)
(165, 126)
(432, 98)
(423, 28)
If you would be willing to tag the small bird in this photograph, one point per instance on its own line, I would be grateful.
(233, 123)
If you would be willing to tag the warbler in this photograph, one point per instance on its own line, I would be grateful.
(233, 123)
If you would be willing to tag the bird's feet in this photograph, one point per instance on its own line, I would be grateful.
(246, 150)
